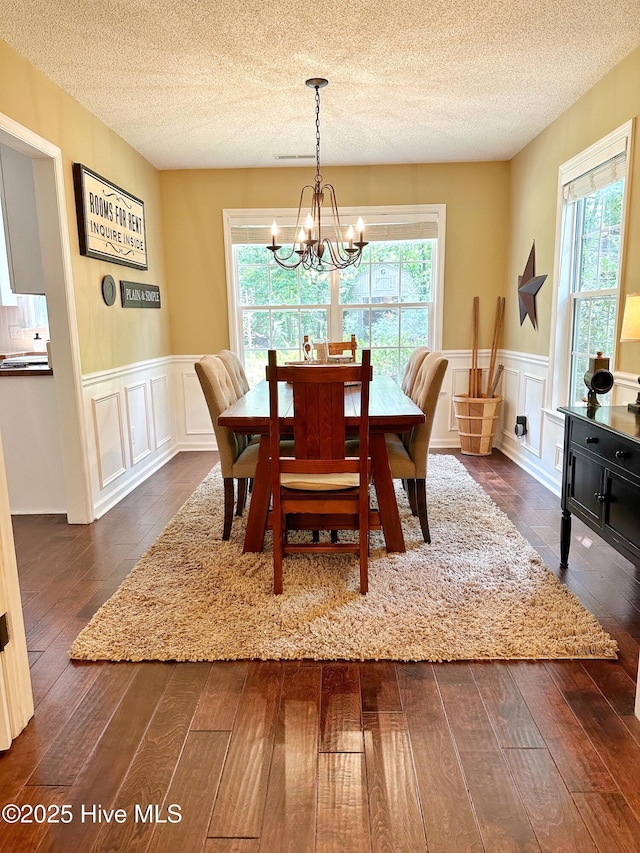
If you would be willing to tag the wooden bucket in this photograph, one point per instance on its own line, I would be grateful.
(477, 419)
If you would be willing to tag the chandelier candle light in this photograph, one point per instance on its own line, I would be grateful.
(315, 251)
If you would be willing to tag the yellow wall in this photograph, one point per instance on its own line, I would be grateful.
(476, 195)
(109, 336)
(534, 185)
(494, 212)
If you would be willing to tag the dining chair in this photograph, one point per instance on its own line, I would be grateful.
(238, 455)
(411, 369)
(340, 347)
(408, 453)
(317, 486)
(235, 370)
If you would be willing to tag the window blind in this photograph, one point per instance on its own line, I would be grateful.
(376, 232)
(606, 173)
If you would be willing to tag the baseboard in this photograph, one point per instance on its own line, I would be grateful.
(101, 507)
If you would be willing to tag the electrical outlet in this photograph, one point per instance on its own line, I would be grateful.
(15, 332)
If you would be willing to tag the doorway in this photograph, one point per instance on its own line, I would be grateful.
(16, 702)
(55, 249)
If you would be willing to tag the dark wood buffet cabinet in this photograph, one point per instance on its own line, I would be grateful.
(601, 477)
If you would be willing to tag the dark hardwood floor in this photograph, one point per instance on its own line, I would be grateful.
(269, 756)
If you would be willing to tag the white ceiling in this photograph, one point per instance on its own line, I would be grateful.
(220, 83)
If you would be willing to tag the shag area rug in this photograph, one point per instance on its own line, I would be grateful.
(478, 591)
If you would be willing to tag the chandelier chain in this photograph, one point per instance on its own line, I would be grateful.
(318, 175)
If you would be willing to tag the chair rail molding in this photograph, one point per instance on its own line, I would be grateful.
(163, 411)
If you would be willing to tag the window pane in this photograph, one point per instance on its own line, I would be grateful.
(354, 285)
(357, 322)
(251, 255)
(600, 218)
(314, 288)
(256, 330)
(284, 286)
(578, 390)
(385, 327)
(386, 362)
(255, 362)
(415, 327)
(385, 283)
(253, 284)
(285, 330)
(314, 324)
(593, 331)
(417, 271)
(384, 252)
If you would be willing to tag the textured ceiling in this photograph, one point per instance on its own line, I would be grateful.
(220, 83)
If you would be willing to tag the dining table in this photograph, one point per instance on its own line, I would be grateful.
(390, 411)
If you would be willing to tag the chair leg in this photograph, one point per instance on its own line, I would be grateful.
(228, 507)
(411, 492)
(334, 537)
(315, 536)
(364, 559)
(279, 524)
(421, 499)
(242, 496)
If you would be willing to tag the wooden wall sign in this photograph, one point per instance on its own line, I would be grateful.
(111, 224)
(134, 295)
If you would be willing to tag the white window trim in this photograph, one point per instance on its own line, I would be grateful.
(418, 212)
(560, 343)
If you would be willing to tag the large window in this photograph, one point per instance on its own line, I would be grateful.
(593, 196)
(595, 279)
(391, 301)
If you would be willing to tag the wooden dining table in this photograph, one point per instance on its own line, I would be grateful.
(390, 411)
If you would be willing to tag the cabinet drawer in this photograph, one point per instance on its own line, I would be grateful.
(607, 446)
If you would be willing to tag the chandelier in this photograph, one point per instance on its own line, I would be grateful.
(315, 250)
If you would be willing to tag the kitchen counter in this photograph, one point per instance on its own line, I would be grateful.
(38, 369)
(32, 370)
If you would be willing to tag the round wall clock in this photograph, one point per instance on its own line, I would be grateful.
(109, 289)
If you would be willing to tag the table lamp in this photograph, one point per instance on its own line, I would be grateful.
(631, 332)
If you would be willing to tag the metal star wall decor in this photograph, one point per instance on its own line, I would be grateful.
(528, 286)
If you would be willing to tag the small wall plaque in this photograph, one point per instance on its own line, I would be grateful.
(109, 289)
(134, 295)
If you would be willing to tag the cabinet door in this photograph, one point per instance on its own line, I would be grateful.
(586, 481)
(622, 517)
(7, 296)
(21, 219)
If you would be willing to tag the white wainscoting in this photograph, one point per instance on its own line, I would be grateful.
(131, 415)
(525, 389)
(143, 414)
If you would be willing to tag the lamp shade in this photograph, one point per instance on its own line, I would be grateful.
(631, 318)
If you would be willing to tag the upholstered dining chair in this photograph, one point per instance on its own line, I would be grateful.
(317, 486)
(408, 454)
(235, 370)
(411, 369)
(238, 455)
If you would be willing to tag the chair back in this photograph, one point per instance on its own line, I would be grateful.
(411, 370)
(319, 418)
(235, 371)
(220, 393)
(426, 390)
(340, 347)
